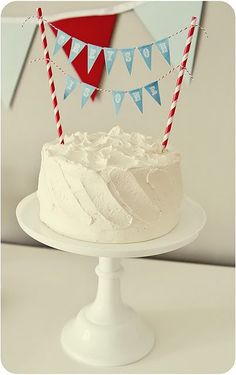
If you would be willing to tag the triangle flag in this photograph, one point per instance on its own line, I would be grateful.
(110, 55)
(87, 91)
(61, 39)
(117, 97)
(146, 52)
(137, 96)
(153, 90)
(93, 52)
(164, 48)
(16, 42)
(128, 55)
(76, 47)
(71, 84)
(96, 30)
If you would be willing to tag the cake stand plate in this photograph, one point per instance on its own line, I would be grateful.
(108, 332)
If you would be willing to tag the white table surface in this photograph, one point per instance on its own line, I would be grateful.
(190, 306)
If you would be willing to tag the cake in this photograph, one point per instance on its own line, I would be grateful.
(114, 187)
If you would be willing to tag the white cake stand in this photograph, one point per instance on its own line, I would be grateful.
(108, 332)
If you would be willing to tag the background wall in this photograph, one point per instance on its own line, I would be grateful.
(203, 129)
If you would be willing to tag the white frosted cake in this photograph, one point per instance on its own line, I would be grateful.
(109, 187)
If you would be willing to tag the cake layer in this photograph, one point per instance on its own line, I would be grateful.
(109, 187)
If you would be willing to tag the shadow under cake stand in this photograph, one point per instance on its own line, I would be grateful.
(108, 332)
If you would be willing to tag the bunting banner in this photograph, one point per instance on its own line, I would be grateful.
(163, 46)
(94, 51)
(110, 54)
(78, 29)
(76, 47)
(117, 95)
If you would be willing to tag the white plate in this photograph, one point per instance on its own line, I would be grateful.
(192, 220)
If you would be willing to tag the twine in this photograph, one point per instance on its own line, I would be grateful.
(99, 88)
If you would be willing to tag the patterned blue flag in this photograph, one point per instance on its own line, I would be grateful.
(93, 52)
(87, 91)
(76, 47)
(164, 48)
(146, 52)
(153, 90)
(110, 55)
(61, 39)
(71, 84)
(137, 96)
(117, 97)
(128, 55)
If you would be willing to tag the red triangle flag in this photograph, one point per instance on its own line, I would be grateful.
(95, 30)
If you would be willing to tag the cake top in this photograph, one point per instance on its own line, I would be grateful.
(115, 149)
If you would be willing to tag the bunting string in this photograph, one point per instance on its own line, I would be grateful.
(152, 88)
(108, 89)
(29, 18)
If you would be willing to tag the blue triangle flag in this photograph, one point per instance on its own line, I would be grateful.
(117, 97)
(128, 55)
(93, 52)
(71, 84)
(87, 91)
(153, 90)
(61, 39)
(137, 96)
(110, 55)
(164, 48)
(146, 52)
(76, 47)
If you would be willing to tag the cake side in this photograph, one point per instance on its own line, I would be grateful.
(109, 187)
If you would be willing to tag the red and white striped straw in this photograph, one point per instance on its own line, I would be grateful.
(179, 83)
(50, 75)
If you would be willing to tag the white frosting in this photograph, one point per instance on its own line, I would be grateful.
(109, 187)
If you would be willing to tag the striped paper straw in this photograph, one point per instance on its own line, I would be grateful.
(50, 75)
(178, 83)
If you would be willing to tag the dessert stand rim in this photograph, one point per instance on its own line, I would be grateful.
(186, 231)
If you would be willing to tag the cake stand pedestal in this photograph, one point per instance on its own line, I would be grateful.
(107, 332)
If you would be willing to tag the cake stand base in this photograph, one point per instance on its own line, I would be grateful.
(107, 332)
